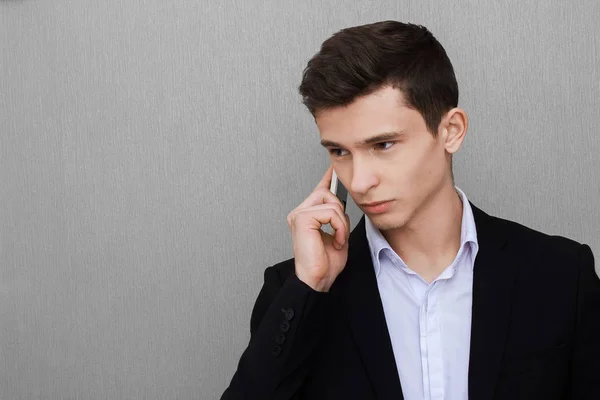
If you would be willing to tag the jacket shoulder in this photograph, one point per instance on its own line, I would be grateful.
(537, 248)
(518, 232)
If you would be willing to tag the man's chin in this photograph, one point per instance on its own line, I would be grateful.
(387, 221)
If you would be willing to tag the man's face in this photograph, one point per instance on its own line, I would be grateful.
(408, 169)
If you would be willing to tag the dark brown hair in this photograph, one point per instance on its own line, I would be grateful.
(359, 60)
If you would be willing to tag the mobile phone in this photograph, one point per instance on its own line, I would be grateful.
(339, 190)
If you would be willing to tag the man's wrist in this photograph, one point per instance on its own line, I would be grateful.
(318, 285)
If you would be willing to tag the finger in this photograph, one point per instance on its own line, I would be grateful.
(320, 196)
(316, 198)
(347, 227)
(338, 208)
(326, 180)
(329, 216)
(325, 214)
(341, 229)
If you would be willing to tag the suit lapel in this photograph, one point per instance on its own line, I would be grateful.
(357, 287)
(493, 281)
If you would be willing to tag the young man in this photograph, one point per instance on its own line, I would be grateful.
(429, 297)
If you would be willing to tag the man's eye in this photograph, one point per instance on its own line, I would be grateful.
(336, 152)
(378, 146)
(381, 146)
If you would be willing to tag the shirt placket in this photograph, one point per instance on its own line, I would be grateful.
(431, 349)
(424, 348)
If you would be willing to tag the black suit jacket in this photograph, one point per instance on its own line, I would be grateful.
(535, 330)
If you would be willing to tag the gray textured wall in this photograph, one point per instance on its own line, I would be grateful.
(151, 150)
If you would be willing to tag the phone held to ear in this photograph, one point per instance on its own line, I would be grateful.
(339, 190)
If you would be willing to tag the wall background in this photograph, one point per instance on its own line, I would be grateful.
(150, 152)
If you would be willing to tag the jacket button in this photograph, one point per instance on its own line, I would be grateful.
(289, 313)
(280, 338)
(275, 351)
(284, 327)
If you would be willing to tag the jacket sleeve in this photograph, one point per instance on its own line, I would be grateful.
(585, 371)
(286, 326)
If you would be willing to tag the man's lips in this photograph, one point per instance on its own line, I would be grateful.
(374, 203)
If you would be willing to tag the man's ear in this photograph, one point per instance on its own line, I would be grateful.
(454, 127)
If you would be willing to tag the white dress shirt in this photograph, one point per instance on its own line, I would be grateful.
(429, 324)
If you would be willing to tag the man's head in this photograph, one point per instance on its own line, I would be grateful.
(379, 79)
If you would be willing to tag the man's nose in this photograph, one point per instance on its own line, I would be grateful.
(363, 178)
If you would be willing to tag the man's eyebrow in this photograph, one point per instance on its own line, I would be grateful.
(382, 137)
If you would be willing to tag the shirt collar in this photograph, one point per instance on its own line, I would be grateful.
(377, 243)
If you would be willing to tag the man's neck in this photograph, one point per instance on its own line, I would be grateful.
(431, 240)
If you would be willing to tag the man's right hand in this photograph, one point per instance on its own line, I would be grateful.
(319, 256)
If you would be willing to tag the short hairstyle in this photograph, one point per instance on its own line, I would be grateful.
(359, 60)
